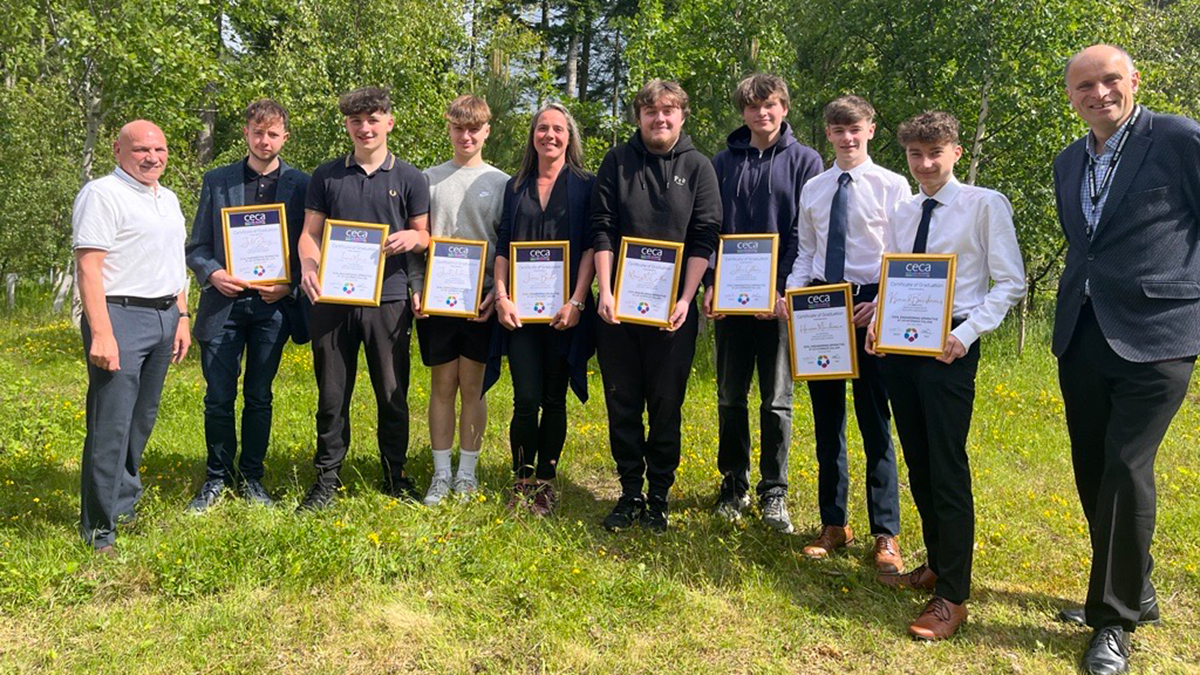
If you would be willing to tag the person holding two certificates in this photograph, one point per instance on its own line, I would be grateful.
(545, 247)
(656, 203)
(933, 395)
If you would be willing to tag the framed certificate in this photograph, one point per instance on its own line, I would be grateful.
(647, 280)
(256, 243)
(916, 295)
(745, 276)
(538, 278)
(821, 332)
(351, 271)
(454, 277)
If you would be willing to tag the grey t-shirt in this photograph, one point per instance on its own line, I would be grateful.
(464, 203)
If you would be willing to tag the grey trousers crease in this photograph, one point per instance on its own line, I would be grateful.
(122, 406)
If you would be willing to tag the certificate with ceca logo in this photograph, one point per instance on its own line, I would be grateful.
(454, 277)
(647, 280)
(745, 275)
(351, 271)
(916, 296)
(538, 278)
(256, 243)
(821, 338)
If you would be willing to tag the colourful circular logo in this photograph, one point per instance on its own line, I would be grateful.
(911, 334)
(823, 361)
(643, 307)
(451, 300)
(743, 298)
(539, 307)
(348, 287)
(259, 270)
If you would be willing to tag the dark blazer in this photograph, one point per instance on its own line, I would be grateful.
(1143, 262)
(224, 187)
(577, 344)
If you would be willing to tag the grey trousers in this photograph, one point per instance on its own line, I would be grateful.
(121, 408)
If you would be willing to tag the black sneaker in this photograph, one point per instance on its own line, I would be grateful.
(775, 514)
(209, 494)
(318, 497)
(626, 513)
(401, 488)
(731, 503)
(654, 518)
(253, 491)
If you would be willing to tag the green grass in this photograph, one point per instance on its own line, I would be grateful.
(377, 586)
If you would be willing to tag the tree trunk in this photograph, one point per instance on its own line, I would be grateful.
(1022, 315)
(980, 124)
(572, 82)
(10, 289)
(93, 117)
(585, 52)
(206, 138)
(63, 285)
(616, 86)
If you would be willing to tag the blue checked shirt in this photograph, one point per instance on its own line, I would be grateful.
(1091, 212)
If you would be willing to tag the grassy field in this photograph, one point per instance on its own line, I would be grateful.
(377, 586)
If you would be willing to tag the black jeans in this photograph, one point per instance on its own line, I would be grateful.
(384, 332)
(933, 403)
(745, 345)
(645, 369)
(260, 330)
(539, 376)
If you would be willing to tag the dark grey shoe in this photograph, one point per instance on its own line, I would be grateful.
(1108, 652)
(730, 503)
(654, 518)
(209, 494)
(626, 513)
(1149, 617)
(318, 497)
(775, 513)
(253, 491)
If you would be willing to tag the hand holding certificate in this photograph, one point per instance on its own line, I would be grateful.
(538, 278)
(351, 271)
(647, 281)
(916, 295)
(256, 243)
(454, 277)
(821, 333)
(745, 274)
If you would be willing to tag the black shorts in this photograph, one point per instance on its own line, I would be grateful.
(445, 338)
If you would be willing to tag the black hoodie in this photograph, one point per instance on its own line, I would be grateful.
(670, 197)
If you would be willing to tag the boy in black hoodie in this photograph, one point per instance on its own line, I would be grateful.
(760, 175)
(656, 186)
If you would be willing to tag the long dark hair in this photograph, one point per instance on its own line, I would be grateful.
(574, 151)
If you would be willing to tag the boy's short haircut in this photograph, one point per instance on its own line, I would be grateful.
(848, 109)
(469, 111)
(757, 88)
(657, 89)
(934, 127)
(265, 111)
(365, 101)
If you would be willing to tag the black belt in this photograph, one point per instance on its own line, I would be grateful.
(164, 303)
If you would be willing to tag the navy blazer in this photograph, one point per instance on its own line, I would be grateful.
(577, 344)
(1142, 265)
(224, 187)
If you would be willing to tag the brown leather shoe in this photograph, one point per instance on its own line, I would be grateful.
(831, 538)
(887, 555)
(938, 620)
(921, 578)
(107, 551)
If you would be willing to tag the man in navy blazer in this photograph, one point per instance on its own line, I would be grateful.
(1127, 326)
(236, 317)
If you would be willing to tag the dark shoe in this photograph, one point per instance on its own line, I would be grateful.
(401, 488)
(887, 555)
(318, 497)
(921, 578)
(254, 492)
(1108, 653)
(730, 503)
(626, 513)
(831, 538)
(938, 620)
(209, 494)
(654, 518)
(109, 551)
(520, 498)
(1149, 617)
(775, 514)
(544, 500)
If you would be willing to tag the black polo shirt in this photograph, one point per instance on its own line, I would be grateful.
(395, 192)
(259, 188)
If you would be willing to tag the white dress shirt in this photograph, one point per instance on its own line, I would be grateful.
(873, 194)
(976, 224)
(140, 228)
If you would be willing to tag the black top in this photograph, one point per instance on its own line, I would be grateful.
(531, 223)
(395, 192)
(259, 188)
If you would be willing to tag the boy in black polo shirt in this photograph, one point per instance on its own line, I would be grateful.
(368, 185)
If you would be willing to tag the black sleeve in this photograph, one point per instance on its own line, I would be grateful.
(704, 228)
(315, 197)
(605, 233)
(504, 232)
(810, 167)
(418, 192)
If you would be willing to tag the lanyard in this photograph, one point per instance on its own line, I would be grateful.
(1112, 165)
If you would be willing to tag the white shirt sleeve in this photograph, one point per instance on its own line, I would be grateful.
(806, 246)
(93, 220)
(1004, 266)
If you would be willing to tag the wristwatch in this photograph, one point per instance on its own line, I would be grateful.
(577, 304)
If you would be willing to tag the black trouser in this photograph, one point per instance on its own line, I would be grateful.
(1117, 414)
(539, 376)
(933, 403)
(745, 344)
(645, 369)
(384, 333)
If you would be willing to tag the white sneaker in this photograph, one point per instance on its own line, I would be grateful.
(439, 487)
(465, 486)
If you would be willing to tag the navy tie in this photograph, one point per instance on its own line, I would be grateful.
(923, 228)
(835, 245)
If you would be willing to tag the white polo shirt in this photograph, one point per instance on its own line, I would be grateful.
(142, 230)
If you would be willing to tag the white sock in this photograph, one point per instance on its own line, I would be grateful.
(467, 459)
(441, 462)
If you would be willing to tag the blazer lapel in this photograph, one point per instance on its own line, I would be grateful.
(1136, 147)
(283, 192)
(1072, 184)
(234, 190)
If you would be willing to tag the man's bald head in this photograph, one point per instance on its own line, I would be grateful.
(141, 151)
(1100, 51)
(1101, 85)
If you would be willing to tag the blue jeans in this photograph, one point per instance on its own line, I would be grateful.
(260, 330)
